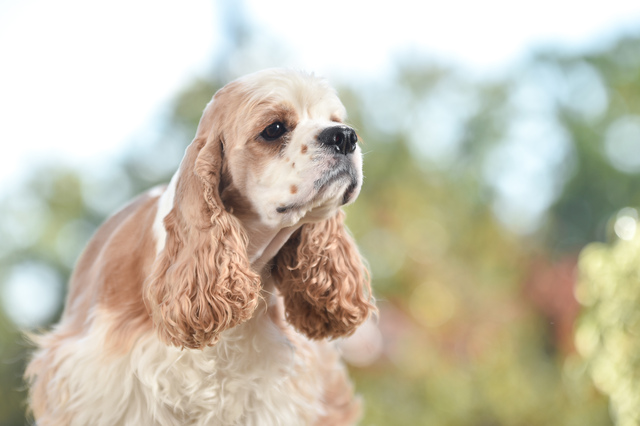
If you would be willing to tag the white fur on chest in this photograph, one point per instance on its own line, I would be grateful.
(165, 204)
(253, 376)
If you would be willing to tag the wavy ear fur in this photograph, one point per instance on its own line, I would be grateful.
(202, 282)
(323, 279)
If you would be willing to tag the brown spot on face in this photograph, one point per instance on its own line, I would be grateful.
(293, 189)
(293, 165)
(336, 119)
(233, 199)
(304, 149)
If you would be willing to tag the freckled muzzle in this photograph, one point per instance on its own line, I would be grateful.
(338, 164)
(343, 173)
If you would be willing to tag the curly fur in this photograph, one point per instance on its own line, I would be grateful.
(324, 281)
(202, 282)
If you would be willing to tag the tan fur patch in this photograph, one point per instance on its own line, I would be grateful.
(196, 289)
(128, 258)
(325, 298)
(110, 273)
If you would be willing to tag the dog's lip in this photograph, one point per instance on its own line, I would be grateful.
(349, 192)
(322, 184)
(334, 175)
(288, 208)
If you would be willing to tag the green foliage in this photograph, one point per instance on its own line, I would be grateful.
(608, 334)
(466, 348)
(12, 356)
(602, 181)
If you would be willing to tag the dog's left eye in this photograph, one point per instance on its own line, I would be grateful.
(273, 131)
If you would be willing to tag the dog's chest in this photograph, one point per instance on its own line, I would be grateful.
(255, 374)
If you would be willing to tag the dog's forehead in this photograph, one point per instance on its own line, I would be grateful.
(309, 95)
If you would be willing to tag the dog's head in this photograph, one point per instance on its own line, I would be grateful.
(271, 147)
(286, 149)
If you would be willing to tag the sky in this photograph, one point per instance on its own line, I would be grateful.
(80, 79)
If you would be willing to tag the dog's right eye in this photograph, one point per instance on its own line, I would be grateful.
(273, 131)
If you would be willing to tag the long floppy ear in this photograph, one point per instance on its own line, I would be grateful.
(202, 282)
(323, 280)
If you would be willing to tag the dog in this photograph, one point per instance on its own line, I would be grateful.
(217, 299)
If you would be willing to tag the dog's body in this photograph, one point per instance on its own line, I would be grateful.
(211, 301)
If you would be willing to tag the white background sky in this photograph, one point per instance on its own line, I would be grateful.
(79, 78)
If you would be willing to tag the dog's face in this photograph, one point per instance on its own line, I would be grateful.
(287, 152)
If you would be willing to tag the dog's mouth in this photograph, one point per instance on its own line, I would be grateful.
(339, 176)
(340, 172)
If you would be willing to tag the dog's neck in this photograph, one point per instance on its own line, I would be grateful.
(265, 242)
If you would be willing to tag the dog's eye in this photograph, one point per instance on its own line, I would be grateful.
(273, 131)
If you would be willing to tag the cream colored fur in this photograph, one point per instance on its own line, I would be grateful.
(245, 379)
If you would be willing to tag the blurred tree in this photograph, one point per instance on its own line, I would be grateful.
(463, 344)
(12, 356)
(597, 100)
(609, 329)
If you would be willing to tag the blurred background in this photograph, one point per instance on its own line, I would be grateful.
(499, 211)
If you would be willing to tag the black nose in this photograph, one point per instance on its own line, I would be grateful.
(341, 138)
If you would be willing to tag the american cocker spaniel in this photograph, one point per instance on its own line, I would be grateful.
(215, 300)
